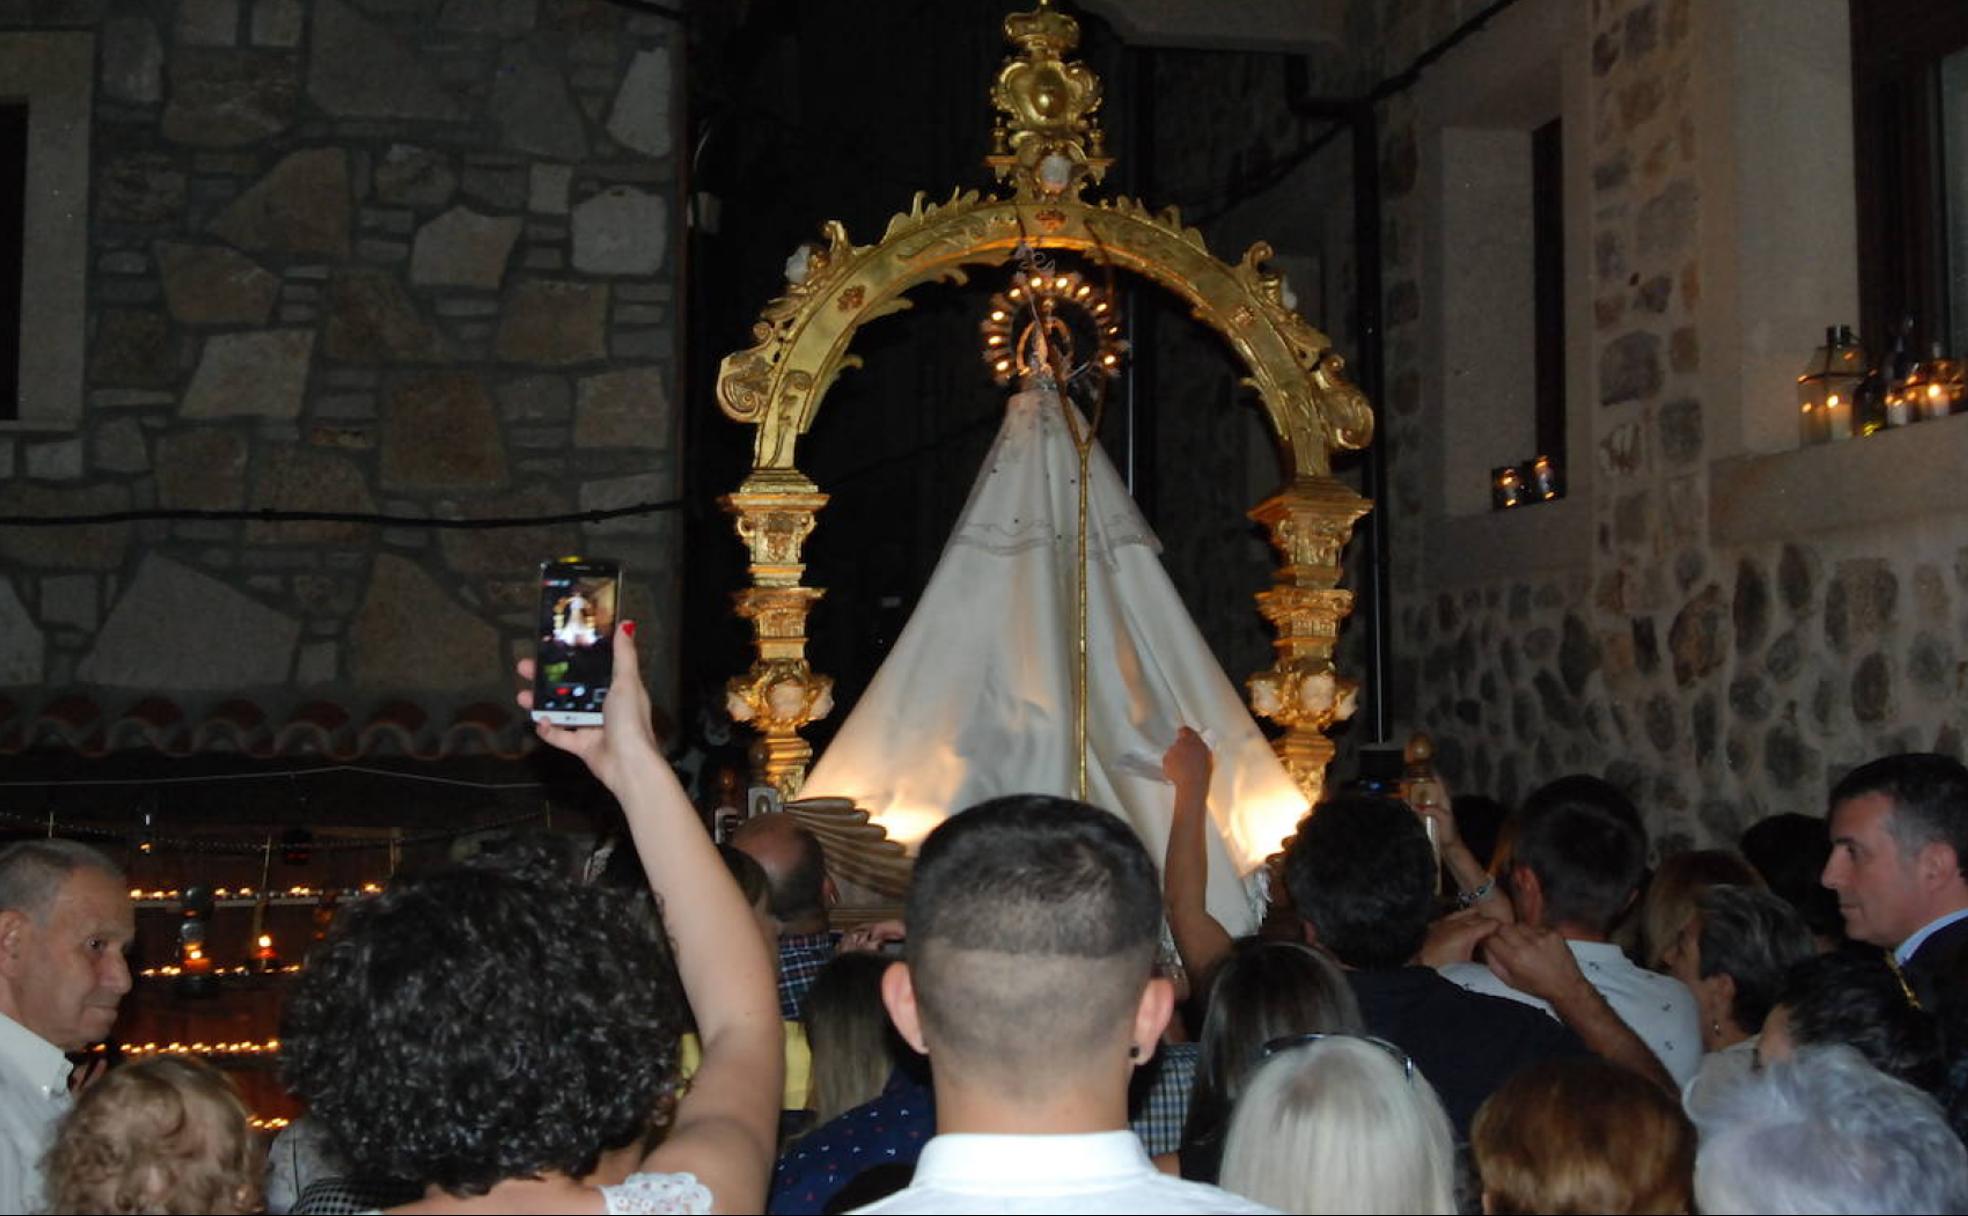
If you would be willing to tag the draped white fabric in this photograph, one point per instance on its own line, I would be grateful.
(976, 698)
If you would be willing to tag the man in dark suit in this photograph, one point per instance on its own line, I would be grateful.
(1899, 841)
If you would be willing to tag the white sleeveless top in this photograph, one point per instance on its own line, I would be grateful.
(647, 1194)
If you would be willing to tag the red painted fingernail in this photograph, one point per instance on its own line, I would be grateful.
(628, 627)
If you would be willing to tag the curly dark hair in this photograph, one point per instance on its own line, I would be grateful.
(1363, 875)
(471, 1026)
(1855, 998)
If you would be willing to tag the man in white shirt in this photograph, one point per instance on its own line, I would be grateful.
(65, 921)
(1032, 924)
(1899, 837)
(1575, 865)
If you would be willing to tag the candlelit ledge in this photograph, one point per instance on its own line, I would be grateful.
(1892, 476)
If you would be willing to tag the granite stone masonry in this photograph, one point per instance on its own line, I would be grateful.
(309, 292)
(1725, 682)
(1716, 679)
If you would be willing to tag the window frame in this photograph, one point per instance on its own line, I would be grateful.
(53, 71)
(1897, 49)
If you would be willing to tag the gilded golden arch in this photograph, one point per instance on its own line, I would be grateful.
(1048, 146)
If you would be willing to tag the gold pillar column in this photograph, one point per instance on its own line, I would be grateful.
(774, 512)
(1309, 521)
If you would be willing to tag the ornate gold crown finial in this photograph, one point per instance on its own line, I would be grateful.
(1048, 141)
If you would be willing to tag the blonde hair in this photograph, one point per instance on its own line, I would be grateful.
(1677, 884)
(854, 1048)
(166, 1134)
(1340, 1125)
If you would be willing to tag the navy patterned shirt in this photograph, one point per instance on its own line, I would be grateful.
(802, 957)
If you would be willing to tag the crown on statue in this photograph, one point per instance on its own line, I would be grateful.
(1047, 140)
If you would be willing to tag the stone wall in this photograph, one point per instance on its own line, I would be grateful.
(1717, 679)
(1723, 635)
(400, 256)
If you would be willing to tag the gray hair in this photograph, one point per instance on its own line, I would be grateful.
(33, 871)
(1828, 1132)
(1753, 937)
(1340, 1125)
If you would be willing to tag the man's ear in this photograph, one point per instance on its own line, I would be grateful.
(898, 991)
(1151, 1017)
(1937, 864)
(16, 933)
(830, 895)
(1527, 895)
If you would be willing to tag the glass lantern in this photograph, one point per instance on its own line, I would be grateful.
(1826, 389)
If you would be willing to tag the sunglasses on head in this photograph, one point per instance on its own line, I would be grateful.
(1290, 1041)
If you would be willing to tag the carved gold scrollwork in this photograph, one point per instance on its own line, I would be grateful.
(1048, 142)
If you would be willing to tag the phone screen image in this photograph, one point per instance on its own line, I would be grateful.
(576, 658)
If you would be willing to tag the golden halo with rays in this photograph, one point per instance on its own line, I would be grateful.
(1028, 325)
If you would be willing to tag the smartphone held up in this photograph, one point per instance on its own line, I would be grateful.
(575, 658)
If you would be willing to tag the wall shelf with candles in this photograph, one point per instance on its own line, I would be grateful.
(1839, 396)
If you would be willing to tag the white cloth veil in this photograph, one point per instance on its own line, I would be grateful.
(976, 697)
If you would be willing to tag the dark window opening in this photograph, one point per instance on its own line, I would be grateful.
(1548, 288)
(13, 249)
(1910, 111)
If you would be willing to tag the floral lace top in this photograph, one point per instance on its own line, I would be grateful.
(647, 1193)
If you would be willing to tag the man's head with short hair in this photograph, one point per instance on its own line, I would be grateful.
(1363, 877)
(1899, 845)
(1032, 922)
(1827, 1132)
(65, 921)
(795, 866)
(1577, 854)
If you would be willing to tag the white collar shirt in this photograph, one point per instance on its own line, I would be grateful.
(1658, 1008)
(33, 1098)
(1097, 1172)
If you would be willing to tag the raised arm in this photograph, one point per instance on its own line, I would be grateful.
(726, 1126)
(1199, 939)
(1539, 962)
(1481, 893)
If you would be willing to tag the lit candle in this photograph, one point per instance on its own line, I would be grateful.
(1934, 402)
(1838, 416)
(1898, 411)
(1506, 487)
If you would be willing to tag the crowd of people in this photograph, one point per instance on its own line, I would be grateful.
(1429, 1021)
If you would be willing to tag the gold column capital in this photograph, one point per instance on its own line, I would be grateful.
(774, 512)
(1309, 521)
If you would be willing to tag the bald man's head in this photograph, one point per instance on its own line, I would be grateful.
(795, 867)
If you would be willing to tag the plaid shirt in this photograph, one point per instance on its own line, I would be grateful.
(802, 956)
(1159, 1102)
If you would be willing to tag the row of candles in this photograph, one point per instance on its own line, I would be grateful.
(242, 1047)
(193, 961)
(1838, 396)
(247, 895)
